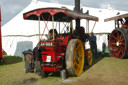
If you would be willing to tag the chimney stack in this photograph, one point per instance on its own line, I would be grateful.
(77, 8)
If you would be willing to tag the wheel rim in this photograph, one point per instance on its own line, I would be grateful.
(78, 58)
(89, 57)
(117, 44)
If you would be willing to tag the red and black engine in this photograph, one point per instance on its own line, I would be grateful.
(52, 53)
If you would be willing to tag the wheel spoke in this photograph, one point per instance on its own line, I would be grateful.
(78, 68)
(89, 57)
(114, 44)
(78, 47)
(117, 33)
(122, 51)
(121, 37)
(123, 43)
(119, 53)
(114, 37)
(115, 50)
(80, 56)
(123, 47)
(75, 65)
(118, 36)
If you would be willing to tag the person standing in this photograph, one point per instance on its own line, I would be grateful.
(93, 45)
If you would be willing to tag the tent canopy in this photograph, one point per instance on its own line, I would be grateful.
(60, 14)
(19, 35)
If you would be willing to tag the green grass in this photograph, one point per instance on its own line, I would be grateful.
(11, 60)
(103, 68)
(13, 71)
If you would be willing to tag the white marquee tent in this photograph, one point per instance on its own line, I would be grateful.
(19, 35)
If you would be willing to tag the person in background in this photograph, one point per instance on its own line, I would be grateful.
(93, 45)
(103, 47)
(29, 61)
(83, 36)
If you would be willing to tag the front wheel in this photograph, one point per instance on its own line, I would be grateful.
(39, 69)
(75, 57)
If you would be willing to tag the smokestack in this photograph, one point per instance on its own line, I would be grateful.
(77, 8)
(77, 5)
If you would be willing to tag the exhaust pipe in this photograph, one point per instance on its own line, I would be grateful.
(77, 8)
(77, 5)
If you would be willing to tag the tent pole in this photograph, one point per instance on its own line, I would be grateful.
(53, 27)
(0, 38)
(39, 26)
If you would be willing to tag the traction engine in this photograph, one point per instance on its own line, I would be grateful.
(118, 40)
(62, 49)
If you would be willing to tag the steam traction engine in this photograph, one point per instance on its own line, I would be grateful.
(62, 50)
(118, 40)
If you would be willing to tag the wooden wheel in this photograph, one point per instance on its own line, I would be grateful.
(75, 57)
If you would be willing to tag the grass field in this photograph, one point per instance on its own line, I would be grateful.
(104, 71)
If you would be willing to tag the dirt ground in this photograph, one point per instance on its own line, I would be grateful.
(104, 71)
(108, 71)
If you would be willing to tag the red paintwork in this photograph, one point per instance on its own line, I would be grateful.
(54, 11)
(3, 52)
(0, 37)
(40, 11)
(126, 26)
(57, 53)
(117, 51)
(58, 49)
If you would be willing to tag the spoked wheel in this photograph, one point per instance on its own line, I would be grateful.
(89, 57)
(37, 62)
(118, 43)
(39, 69)
(75, 57)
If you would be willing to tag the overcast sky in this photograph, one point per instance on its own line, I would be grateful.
(10, 8)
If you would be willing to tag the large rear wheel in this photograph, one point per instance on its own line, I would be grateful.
(75, 57)
(118, 43)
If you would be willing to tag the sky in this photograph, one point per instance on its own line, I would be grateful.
(10, 8)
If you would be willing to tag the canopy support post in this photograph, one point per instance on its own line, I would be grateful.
(115, 23)
(93, 26)
(71, 26)
(59, 27)
(53, 27)
(39, 26)
(87, 26)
